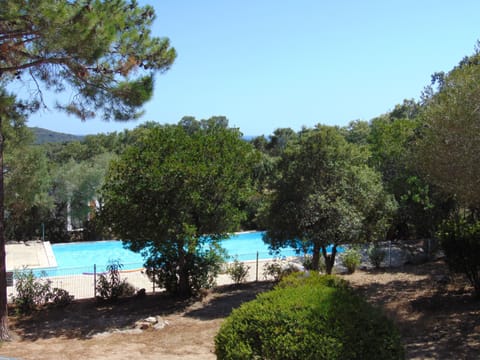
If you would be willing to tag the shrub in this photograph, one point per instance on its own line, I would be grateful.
(110, 286)
(238, 271)
(351, 259)
(376, 255)
(460, 241)
(278, 270)
(307, 262)
(32, 292)
(315, 317)
(202, 266)
(59, 297)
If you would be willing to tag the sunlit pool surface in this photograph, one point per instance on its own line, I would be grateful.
(78, 258)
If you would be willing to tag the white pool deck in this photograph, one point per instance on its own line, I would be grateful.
(31, 254)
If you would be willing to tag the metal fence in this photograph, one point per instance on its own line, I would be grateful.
(81, 282)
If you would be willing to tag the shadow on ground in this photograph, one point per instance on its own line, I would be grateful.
(437, 319)
(221, 303)
(84, 318)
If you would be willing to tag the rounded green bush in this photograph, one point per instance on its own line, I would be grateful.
(308, 317)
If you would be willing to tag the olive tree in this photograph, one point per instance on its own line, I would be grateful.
(448, 154)
(326, 195)
(174, 194)
(449, 147)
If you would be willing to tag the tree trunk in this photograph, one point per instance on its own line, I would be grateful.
(4, 334)
(329, 258)
(183, 283)
(316, 257)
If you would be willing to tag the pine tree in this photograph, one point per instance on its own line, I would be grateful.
(101, 50)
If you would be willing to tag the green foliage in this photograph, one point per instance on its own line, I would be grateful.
(32, 292)
(357, 132)
(460, 240)
(201, 267)
(102, 49)
(392, 141)
(78, 184)
(56, 224)
(448, 149)
(26, 178)
(326, 195)
(27, 184)
(351, 258)
(238, 271)
(279, 140)
(43, 136)
(314, 317)
(59, 297)
(111, 286)
(277, 270)
(173, 186)
(376, 255)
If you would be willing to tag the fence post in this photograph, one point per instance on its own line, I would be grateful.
(94, 281)
(389, 253)
(153, 280)
(256, 270)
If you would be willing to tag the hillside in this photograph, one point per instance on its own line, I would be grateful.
(47, 136)
(43, 136)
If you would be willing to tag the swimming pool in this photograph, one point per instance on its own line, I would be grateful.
(80, 257)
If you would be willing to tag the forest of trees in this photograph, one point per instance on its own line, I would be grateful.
(386, 178)
(411, 173)
(55, 187)
(395, 157)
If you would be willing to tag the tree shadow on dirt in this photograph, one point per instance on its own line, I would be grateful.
(437, 320)
(451, 326)
(227, 298)
(84, 318)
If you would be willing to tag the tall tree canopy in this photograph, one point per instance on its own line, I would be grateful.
(325, 195)
(175, 193)
(100, 50)
(449, 150)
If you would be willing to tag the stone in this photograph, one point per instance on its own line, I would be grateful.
(151, 320)
(160, 323)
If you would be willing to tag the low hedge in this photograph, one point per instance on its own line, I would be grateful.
(308, 317)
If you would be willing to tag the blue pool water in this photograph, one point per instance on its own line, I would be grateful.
(86, 254)
(77, 258)
(74, 258)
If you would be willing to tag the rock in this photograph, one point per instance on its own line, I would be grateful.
(155, 322)
(160, 323)
(142, 325)
(159, 326)
(151, 320)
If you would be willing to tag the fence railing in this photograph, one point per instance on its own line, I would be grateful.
(81, 282)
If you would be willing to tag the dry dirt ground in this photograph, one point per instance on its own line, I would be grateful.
(437, 320)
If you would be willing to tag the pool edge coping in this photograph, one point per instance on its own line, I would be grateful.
(51, 259)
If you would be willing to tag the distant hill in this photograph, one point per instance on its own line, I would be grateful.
(43, 136)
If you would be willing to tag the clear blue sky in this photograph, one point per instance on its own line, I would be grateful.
(272, 63)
